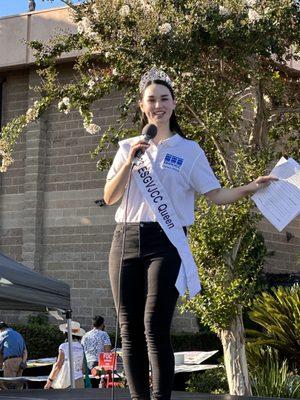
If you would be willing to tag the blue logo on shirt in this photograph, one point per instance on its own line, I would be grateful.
(173, 162)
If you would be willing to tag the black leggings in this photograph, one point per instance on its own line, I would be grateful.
(148, 298)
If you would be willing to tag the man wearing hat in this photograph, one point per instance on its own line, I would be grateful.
(13, 354)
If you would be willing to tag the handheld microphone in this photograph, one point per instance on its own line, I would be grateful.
(149, 132)
(100, 202)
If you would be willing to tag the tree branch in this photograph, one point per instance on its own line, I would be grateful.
(288, 71)
(285, 110)
(216, 143)
(231, 257)
(242, 93)
(260, 129)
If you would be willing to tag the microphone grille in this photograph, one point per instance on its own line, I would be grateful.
(149, 131)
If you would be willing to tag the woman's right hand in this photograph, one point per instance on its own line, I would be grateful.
(48, 384)
(140, 145)
(115, 188)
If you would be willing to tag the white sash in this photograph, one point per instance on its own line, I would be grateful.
(160, 203)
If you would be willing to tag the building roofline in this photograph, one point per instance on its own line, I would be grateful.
(32, 12)
(18, 30)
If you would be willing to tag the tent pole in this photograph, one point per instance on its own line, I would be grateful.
(70, 341)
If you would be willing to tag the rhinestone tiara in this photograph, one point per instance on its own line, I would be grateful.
(153, 75)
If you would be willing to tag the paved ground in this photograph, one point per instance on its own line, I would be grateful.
(105, 394)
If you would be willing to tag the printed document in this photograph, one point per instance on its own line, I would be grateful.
(280, 201)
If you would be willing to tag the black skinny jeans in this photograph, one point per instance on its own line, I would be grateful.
(148, 298)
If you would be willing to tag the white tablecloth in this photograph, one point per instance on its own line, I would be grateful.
(192, 361)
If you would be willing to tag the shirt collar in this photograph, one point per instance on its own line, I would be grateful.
(171, 141)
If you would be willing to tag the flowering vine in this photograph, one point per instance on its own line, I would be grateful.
(201, 44)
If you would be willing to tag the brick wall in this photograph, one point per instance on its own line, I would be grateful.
(15, 99)
(48, 217)
(284, 246)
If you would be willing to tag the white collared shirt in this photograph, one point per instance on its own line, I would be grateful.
(182, 168)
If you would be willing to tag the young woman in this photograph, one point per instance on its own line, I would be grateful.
(146, 272)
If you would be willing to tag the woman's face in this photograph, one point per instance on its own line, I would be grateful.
(157, 104)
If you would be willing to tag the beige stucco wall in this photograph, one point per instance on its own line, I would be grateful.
(38, 25)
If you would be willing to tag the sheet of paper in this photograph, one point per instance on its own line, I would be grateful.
(280, 201)
(196, 357)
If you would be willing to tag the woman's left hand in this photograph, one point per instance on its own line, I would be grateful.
(261, 182)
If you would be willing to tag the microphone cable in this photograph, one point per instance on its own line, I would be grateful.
(119, 278)
(149, 132)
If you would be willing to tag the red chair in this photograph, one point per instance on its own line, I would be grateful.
(106, 363)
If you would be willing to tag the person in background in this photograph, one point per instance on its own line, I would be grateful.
(63, 354)
(13, 354)
(95, 341)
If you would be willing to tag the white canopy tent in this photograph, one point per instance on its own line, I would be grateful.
(21, 288)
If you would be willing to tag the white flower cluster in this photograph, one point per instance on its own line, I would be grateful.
(165, 28)
(64, 105)
(148, 5)
(85, 27)
(95, 11)
(124, 11)
(223, 11)
(5, 155)
(267, 100)
(91, 83)
(87, 122)
(31, 114)
(251, 3)
(91, 128)
(7, 160)
(253, 16)
(187, 74)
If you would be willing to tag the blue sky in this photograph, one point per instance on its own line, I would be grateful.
(12, 7)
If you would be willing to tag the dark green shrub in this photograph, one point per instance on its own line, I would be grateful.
(277, 314)
(210, 381)
(41, 340)
(40, 319)
(201, 341)
(270, 377)
(112, 339)
(196, 341)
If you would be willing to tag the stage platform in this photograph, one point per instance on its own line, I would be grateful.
(105, 394)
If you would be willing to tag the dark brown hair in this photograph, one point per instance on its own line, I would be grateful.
(98, 321)
(174, 126)
(74, 337)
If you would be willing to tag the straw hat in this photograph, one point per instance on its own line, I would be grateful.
(75, 327)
